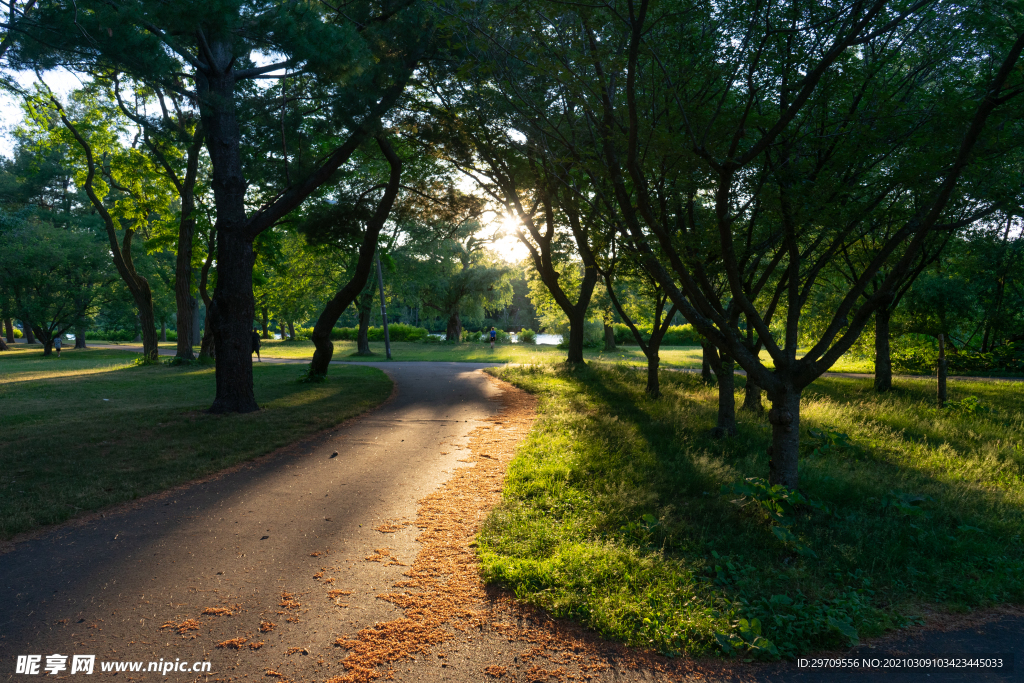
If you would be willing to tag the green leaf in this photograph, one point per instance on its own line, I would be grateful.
(846, 629)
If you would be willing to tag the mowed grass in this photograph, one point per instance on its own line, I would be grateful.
(476, 352)
(89, 429)
(614, 512)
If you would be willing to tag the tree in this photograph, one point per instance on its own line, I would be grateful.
(51, 274)
(355, 63)
(648, 303)
(774, 127)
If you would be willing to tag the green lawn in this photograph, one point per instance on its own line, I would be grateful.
(614, 512)
(90, 429)
(671, 356)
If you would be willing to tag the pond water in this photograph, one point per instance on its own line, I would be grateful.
(551, 339)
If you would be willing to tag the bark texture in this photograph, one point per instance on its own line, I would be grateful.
(752, 397)
(362, 337)
(9, 330)
(725, 371)
(883, 355)
(707, 374)
(784, 453)
(609, 338)
(80, 337)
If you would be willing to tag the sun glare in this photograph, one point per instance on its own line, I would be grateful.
(508, 247)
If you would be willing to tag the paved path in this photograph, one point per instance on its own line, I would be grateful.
(240, 541)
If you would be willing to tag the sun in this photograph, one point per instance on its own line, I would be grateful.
(508, 247)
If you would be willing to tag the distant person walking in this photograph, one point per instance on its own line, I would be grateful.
(56, 345)
(256, 345)
(494, 337)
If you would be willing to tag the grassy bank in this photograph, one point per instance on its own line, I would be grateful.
(614, 512)
(89, 429)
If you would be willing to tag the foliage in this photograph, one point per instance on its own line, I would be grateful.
(527, 337)
(398, 332)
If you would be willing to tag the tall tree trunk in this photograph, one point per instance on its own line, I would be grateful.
(208, 346)
(883, 356)
(577, 329)
(725, 371)
(453, 331)
(185, 316)
(265, 323)
(30, 337)
(232, 308)
(163, 331)
(46, 340)
(707, 374)
(784, 453)
(609, 337)
(752, 397)
(363, 337)
(148, 321)
(80, 337)
(350, 292)
(3, 345)
(653, 383)
(9, 330)
(291, 330)
(197, 325)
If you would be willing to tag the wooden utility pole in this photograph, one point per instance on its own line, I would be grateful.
(383, 310)
(942, 371)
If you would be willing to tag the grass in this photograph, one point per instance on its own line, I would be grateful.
(622, 513)
(90, 429)
(671, 356)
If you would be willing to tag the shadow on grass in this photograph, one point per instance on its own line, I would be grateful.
(614, 514)
(79, 443)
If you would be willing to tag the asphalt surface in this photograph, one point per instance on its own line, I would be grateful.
(241, 540)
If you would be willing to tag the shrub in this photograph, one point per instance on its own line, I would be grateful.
(681, 335)
(18, 334)
(468, 336)
(398, 332)
(112, 335)
(527, 337)
(677, 335)
(1008, 358)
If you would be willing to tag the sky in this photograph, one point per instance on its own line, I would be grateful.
(60, 81)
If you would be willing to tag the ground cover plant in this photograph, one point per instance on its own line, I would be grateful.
(621, 512)
(91, 429)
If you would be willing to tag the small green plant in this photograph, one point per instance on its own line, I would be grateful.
(969, 405)
(781, 505)
(642, 531)
(527, 337)
(905, 504)
(825, 441)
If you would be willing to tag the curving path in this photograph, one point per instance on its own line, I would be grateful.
(239, 541)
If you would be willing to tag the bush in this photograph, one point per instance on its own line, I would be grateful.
(1009, 358)
(399, 332)
(681, 335)
(677, 335)
(527, 337)
(468, 336)
(18, 334)
(112, 335)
